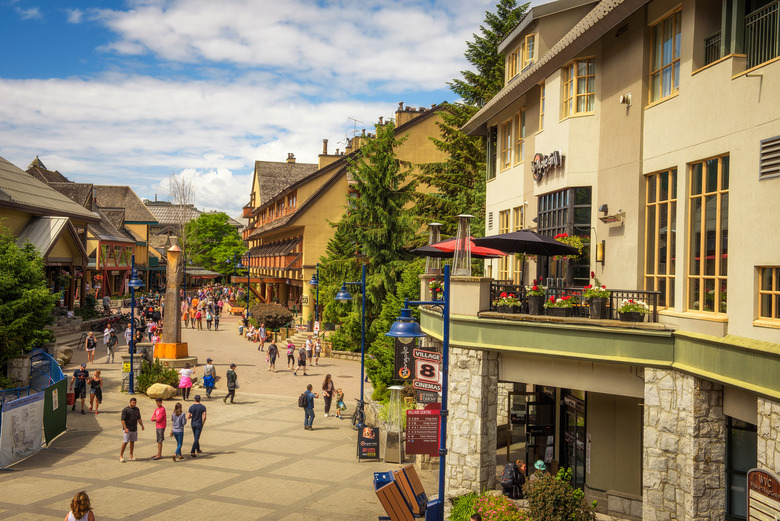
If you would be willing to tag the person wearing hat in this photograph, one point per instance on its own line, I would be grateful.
(540, 467)
(80, 377)
(232, 383)
(209, 374)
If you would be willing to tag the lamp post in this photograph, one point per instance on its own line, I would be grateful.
(315, 281)
(240, 266)
(342, 295)
(134, 283)
(406, 328)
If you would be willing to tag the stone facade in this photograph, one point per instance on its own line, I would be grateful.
(767, 439)
(684, 448)
(471, 428)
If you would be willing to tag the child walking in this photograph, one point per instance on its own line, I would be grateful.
(340, 406)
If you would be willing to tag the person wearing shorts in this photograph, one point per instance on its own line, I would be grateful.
(79, 386)
(159, 416)
(301, 362)
(273, 352)
(131, 419)
(90, 344)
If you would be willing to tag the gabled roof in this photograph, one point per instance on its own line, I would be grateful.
(39, 171)
(540, 11)
(124, 197)
(81, 193)
(22, 191)
(274, 176)
(115, 215)
(606, 15)
(106, 231)
(43, 232)
(167, 213)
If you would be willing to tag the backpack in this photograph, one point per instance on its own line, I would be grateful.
(511, 481)
(302, 400)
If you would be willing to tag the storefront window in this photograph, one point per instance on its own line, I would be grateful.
(740, 458)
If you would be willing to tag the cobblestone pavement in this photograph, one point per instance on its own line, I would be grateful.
(257, 462)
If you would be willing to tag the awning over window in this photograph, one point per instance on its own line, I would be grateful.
(276, 248)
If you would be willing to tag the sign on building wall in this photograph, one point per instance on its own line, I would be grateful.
(763, 495)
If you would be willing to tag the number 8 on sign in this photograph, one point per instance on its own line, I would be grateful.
(427, 371)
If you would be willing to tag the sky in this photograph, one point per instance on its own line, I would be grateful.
(133, 92)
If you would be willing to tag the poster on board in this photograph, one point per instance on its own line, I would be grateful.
(21, 431)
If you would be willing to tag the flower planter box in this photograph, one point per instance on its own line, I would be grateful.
(598, 308)
(559, 312)
(535, 304)
(632, 316)
(504, 309)
(516, 309)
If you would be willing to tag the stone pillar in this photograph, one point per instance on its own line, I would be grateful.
(684, 449)
(471, 429)
(768, 435)
(172, 329)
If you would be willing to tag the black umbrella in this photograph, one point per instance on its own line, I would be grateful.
(527, 241)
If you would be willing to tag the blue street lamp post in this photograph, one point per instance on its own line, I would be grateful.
(343, 294)
(134, 283)
(315, 281)
(406, 327)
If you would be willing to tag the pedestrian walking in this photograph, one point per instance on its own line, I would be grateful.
(308, 409)
(112, 342)
(209, 377)
(317, 352)
(209, 319)
(197, 417)
(301, 362)
(309, 349)
(78, 384)
(80, 508)
(128, 334)
(185, 381)
(178, 421)
(107, 334)
(106, 304)
(90, 344)
(273, 352)
(340, 405)
(160, 419)
(217, 314)
(193, 312)
(232, 384)
(131, 419)
(95, 391)
(261, 335)
(151, 327)
(327, 393)
(199, 319)
(290, 355)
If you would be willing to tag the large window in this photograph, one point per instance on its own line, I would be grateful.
(741, 455)
(567, 211)
(665, 57)
(520, 136)
(506, 144)
(541, 106)
(511, 65)
(660, 234)
(503, 262)
(708, 236)
(579, 87)
(528, 50)
(769, 293)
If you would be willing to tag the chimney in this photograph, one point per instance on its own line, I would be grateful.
(337, 151)
(364, 132)
(324, 147)
(400, 105)
(290, 157)
(380, 120)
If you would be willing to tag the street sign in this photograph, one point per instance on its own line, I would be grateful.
(422, 432)
(404, 364)
(427, 386)
(317, 327)
(368, 443)
(427, 371)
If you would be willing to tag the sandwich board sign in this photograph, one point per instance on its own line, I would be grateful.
(763, 499)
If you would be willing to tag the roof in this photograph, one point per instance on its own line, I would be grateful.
(202, 272)
(540, 11)
(43, 232)
(47, 176)
(275, 248)
(78, 192)
(106, 231)
(124, 197)
(18, 189)
(167, 213)
(603, 17)
(272, 177)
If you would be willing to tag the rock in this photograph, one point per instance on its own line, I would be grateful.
(63, 353)
(160, 391)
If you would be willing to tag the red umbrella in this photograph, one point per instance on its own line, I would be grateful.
(448, 247)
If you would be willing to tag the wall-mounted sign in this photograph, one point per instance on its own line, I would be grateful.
(763, 499)
(543, 163)
(304, 300)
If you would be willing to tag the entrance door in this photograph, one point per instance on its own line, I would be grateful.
(531, 426)
(574, 435)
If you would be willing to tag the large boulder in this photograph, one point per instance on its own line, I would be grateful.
(163, 391)
(63, 355)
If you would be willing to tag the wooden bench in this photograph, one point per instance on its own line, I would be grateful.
(403, 498)
(236, 310)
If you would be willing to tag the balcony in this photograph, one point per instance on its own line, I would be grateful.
(760, 41)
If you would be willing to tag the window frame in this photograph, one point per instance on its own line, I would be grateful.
(512, 65)
(570, 83)
(518, 223)
(503, 227)
(519, 137)
(506, 144)
(529, 58)
(676, 17)
(653, 279)
(773, 292)
(542, 93)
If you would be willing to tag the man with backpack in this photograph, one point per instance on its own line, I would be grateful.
(513, 479)
(110, 345)
(306, 400)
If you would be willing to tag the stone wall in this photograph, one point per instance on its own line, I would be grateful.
(684, 448)
(767, 439)
(471, 428)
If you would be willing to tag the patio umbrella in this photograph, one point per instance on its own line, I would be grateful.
(526, 241)
(446, 250)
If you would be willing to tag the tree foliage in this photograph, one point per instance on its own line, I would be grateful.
(26, 304)
(273, 316)
(212, 241)
(553, 498)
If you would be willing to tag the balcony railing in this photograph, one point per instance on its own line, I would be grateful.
(761, 35)
(712, 48)
(581, 306)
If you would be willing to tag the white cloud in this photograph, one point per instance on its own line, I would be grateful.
(33, 13)
(74, 16)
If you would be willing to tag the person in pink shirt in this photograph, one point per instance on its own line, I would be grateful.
(159, 416)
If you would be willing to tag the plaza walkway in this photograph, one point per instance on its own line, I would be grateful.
(257, 462)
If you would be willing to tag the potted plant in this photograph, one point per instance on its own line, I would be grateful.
(559, 307)
(597, 295)
(535, 297)
(632, 310)
(571, 240)
(506, 302)
(436, 288)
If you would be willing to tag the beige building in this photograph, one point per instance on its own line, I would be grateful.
(647, 129)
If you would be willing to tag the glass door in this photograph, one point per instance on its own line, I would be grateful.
(531, 433)
(574, 435)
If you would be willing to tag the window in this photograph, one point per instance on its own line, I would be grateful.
(579, 87)
(660, 234)
(741, 455)
(769, 292)
(506, 144)
(528, 50)
(520, 136)
(566, 211)
(511, 65)
(665, 57)
(541, 106)
(503, 262)
(517, 224)
(708, 238)
(491, 146)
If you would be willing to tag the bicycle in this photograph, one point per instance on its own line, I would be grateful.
(359, 416)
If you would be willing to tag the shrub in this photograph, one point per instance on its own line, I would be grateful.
(87, 308)
(553, 498)
(491, 506)
(273, 316)
(156, 373)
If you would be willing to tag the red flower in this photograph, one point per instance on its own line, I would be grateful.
(552, 299)
(631, 300)
(503, 294)
(512, 295)
(592, 275)
(565, 298)
(588, 286)
(603, 286)
(535, 288)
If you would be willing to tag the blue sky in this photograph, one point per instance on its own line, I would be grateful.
(133, 92)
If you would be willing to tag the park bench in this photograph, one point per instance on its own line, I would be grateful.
(236, 310)
(401, 494)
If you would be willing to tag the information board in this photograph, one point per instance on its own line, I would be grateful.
(368, 443)
(422, 431)
(763, 495)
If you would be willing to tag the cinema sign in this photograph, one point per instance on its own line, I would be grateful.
(543, 163)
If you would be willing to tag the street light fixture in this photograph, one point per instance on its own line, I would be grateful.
(315, 281)
(134, 283)
(344, 295)
(407, 328)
